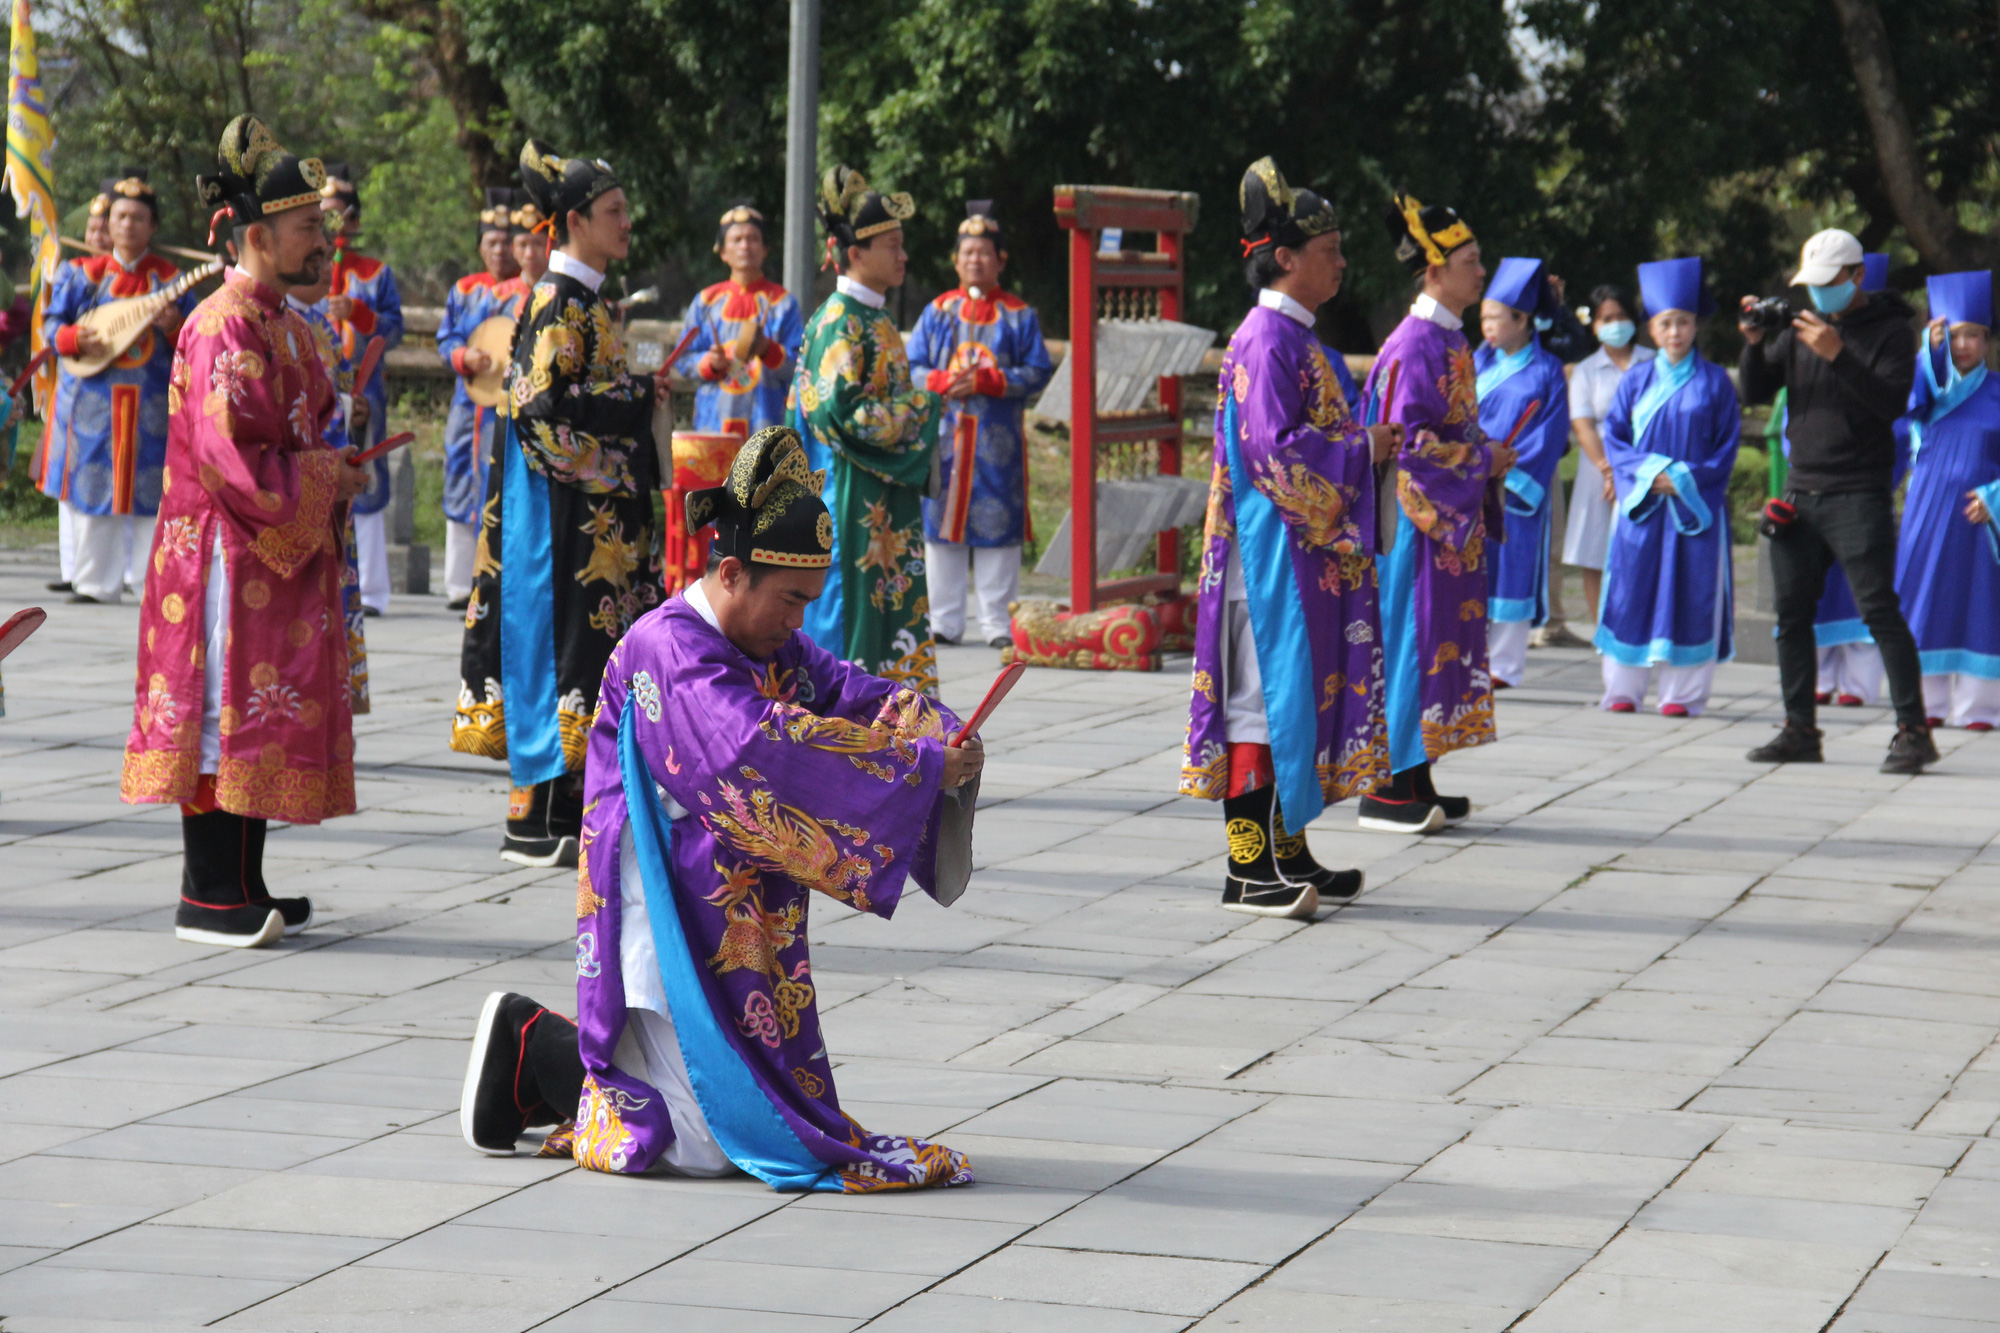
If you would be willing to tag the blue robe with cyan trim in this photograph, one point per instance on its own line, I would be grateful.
(1534, 398)
(1947, 569)
(1667, 597)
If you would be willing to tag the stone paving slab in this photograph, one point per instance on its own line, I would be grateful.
(1656, 1041)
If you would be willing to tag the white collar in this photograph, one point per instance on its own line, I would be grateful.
(570, 267)
(1273, 299)
(696, 596)
(861, 292)
(1426, 308)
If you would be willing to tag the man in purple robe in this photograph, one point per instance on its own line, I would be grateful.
(1286, 712)
(1434, 578)
(734, 766)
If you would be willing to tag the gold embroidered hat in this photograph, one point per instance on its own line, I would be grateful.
(980, 221)
(558, 185)
(768, 510)
(131, 183)
(525, 216)
(737, 213)
(1424, 234)
(498, 214)
(340, 188)
(256, 178)
(1275, 214)
(852, 211)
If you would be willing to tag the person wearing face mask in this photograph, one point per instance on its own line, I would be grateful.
(1846, 367)
(1671, 437)
(1592, 385)
(1948, 560)
(1524, 400)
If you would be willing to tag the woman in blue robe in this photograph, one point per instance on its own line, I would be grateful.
(1671, 436)
(1948, 560)
(1523, 400)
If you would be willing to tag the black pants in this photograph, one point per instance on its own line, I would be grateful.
(1858, 529)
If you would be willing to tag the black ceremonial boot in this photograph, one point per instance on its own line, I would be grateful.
(543, 823)
(1254, 885)
(297, 912)
(1396, 807)
(1455, 808)
(1297, 865)
(524, 1070)
(217, 906)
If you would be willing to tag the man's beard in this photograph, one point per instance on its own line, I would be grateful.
(313, 269)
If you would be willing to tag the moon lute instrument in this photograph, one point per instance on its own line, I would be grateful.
(118, 324)
(495, 337)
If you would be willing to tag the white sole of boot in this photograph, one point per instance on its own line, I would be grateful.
(563, 855)
(1299, 910)
(274, 929)
(482, 1038)
(1430, 825)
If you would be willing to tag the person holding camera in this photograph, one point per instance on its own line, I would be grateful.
(1846, 366)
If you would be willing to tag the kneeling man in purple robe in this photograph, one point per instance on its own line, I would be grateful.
(734, 766)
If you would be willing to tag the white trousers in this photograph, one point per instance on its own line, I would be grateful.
(371, 549)
(66, 540)
(1962, 700)
(1851, 668)
(1686, 686)
(649, 1050)
(1507, 650)
(461, 542)
(996, 576)
(1243, 718)
(112, 551)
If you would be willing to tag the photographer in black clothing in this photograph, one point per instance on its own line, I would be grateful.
(1847, 371)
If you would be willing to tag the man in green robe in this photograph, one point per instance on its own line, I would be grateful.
(876, 434)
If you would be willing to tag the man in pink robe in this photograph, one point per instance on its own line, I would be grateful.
(243, 713)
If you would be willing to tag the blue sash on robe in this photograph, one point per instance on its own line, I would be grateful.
(747, 1127)
(1278, 627)
(527, 620)
(825, 623)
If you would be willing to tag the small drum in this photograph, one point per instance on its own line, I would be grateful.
(701, 460)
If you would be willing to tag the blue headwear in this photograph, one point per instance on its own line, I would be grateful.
(1673, 284)
(1874, 272)
(1517, 283)
(1963, 298)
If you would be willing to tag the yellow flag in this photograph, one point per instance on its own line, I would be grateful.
(31, 177)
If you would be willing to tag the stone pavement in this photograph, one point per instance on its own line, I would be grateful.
(1658, 1041)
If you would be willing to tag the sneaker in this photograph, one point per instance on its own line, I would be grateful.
(1792, 745)
(1911, 750)
(1849, 700)
(1297, 901)
(487, 1115)
(1621, 706)
(250, 926)
(1411, 816)
(1673, 710)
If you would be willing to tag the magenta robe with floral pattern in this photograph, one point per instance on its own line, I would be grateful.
(248, 465)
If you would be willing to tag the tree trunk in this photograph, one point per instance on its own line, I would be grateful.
(476, 94)
(1942, 243)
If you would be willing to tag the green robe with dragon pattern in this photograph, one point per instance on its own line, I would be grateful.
(875, 432)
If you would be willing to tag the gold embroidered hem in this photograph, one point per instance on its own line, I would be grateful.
(480, 726)
(159, 777)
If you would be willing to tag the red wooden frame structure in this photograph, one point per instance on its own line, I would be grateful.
(1123, 284)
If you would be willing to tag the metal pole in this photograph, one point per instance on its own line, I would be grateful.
(802, 154)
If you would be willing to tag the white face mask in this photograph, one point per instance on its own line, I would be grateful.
(1616, 332)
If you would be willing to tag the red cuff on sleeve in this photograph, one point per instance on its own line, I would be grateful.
(66, 340)
(773, 354)
(706, 369)
(362, 318)
(988, 380)
(458, 360)
(937, 381)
